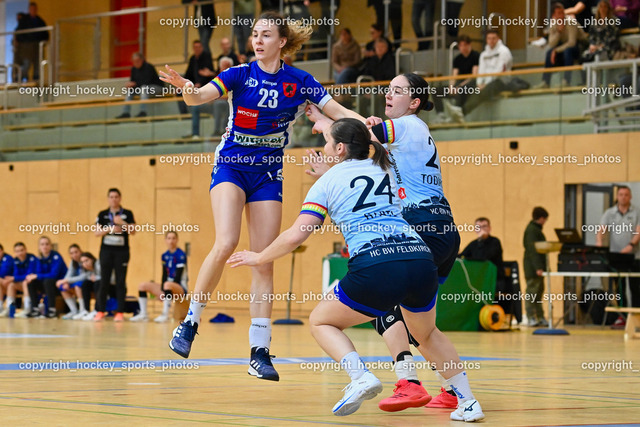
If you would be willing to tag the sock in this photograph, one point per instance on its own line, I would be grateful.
(353, 365)
(72, 305)
(195, 310)
(10, 300)
(166, 307)
(81, 304)
(26, 303)
(460, 385)
(443, 382)
(260, 332)
(142, 300)
(405, 367)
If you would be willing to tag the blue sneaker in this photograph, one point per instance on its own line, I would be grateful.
(260, 365)
(183, 336)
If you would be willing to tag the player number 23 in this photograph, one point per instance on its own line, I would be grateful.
(270, 96)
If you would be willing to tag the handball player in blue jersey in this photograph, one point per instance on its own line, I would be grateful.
(265, 97)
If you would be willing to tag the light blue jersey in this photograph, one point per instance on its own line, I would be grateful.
(361, 200)
(416, 165)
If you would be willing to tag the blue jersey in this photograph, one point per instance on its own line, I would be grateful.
(6, 266)
(416, 165)
(174, 267)
(262, 108)
(360, 199)
(51, 267)
(21, 269)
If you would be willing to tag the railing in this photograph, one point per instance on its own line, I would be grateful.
(41, 49)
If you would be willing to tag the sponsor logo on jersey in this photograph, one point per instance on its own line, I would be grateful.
(251, 82)
(272, 141)
(268, 83)
(289, 89)
(246, 118)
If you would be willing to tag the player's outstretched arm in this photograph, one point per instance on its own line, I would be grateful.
(336, 111)
(191, 94)
(284, 243)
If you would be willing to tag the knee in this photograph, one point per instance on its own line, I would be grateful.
(265, 270)
(222, 250)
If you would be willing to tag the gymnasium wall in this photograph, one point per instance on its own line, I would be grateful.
(72, 191)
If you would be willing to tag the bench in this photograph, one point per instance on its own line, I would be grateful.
(633, 320)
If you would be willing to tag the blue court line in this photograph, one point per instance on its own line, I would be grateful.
(186, 364)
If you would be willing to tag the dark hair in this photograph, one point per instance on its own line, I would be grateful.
(419, 88)
(355, 135)
(74, 245)
(171, 231)
(196, 41)
(623, 187)
(347, 30)
(90, 256)
(295, 32)
(464, 38)
(48, 240)
(1, 247)
(492, 31)
(114, 190)
(539, 212)
(483, 219)
(19, 244)
(33, 4)
(377, 27)
(556, 6)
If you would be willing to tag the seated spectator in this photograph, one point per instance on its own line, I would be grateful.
(627, 12)
(144, 82)
(24, 264)
(6, 271)
(345, 58)
(495, 58)
(564, 36)
(603, 35)
(485, 247)
(579, 10)
(173, 282)
(50, 268)
(376, 33)
(71, 284)
(466, 62)
(226, 49)
(200, 72)
(90, 285)
(381, 66)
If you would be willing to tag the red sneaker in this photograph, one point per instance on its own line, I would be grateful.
(405, 395)
(443, 400)
(99, 317)
(119, 317)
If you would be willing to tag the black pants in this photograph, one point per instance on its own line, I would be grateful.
(89, 287)
(113, 260)
(395, 16)
(43, 286)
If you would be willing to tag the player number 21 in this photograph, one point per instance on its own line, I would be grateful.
(270, 96)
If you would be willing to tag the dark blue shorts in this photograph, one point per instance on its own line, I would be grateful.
(257, 186)
(374, 290)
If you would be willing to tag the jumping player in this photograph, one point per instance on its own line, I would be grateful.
(265, 97)
(390, 265)
(174, 280)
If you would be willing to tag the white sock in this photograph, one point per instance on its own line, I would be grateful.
(26, 303)
(260, 332)
(443, 382)
(406, 369)
(143, 305)
(353, 365)
(460, 386)
(166, 307)
(195, 310)
(81, 304)
(72, 305)
(10, 300)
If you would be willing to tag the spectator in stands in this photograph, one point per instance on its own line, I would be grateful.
(603, 35)
(564, 36)
(249, 54)
(324, 29)
(345, 58)
(116, 225)
(91, 285)
(381, 66)
(245, 11)
(71, 285)
(144, 81)
(423, 27)
(208, 14)
(296, 9)
(466, 62)
(623, 219)
(395, 16)
(485, 247)
(376, 33)
(495, 58)
(18, 46)
(31, 42)
(535, 264)
(50, 268)
(227, 50)
(580, 10)
(452, 12)
(200, 72)
(24, 264)
(269, 5)
(627, 12)
(6, 272)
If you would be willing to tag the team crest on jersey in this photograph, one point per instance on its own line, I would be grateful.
(402, 193)
(289, 89)
(251, 82)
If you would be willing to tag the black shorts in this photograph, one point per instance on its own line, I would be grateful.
(374, 290)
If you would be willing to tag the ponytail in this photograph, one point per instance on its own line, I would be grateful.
(380, 156)
(355, 135)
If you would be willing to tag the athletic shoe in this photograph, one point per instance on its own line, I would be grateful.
(119, 317)
(139, 318)
(183, 337)
(443, 400)
(405, 395)
(80, 315)
(163, 318)
(455, 112)
(620, 323)
(34, 313)
(543, 322)
(70, 315)
(51, 314)
(4, 312)
(260, 365)
(99, 317)
(533, 323)
(23, 314)
(90, 316)
(468, 411)
(365, 388)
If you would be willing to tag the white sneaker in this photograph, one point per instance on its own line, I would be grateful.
(23, 314)
(70, 315)
(139, 318)
(468, 411)
(89, 316)
(163, 318)
(364, 388)
(4, 312)
(454, 111)
(80, 315)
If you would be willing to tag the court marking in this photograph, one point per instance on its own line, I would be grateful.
(7, 335)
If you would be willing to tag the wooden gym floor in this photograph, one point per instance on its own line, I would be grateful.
(520, 379)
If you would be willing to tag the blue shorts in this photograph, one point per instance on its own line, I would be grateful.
(73, 285)
(257, 186)
(374, 290)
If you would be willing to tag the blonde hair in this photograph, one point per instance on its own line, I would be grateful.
(294, 31)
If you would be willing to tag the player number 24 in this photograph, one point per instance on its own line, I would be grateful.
(270, 96)
(380, 191)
